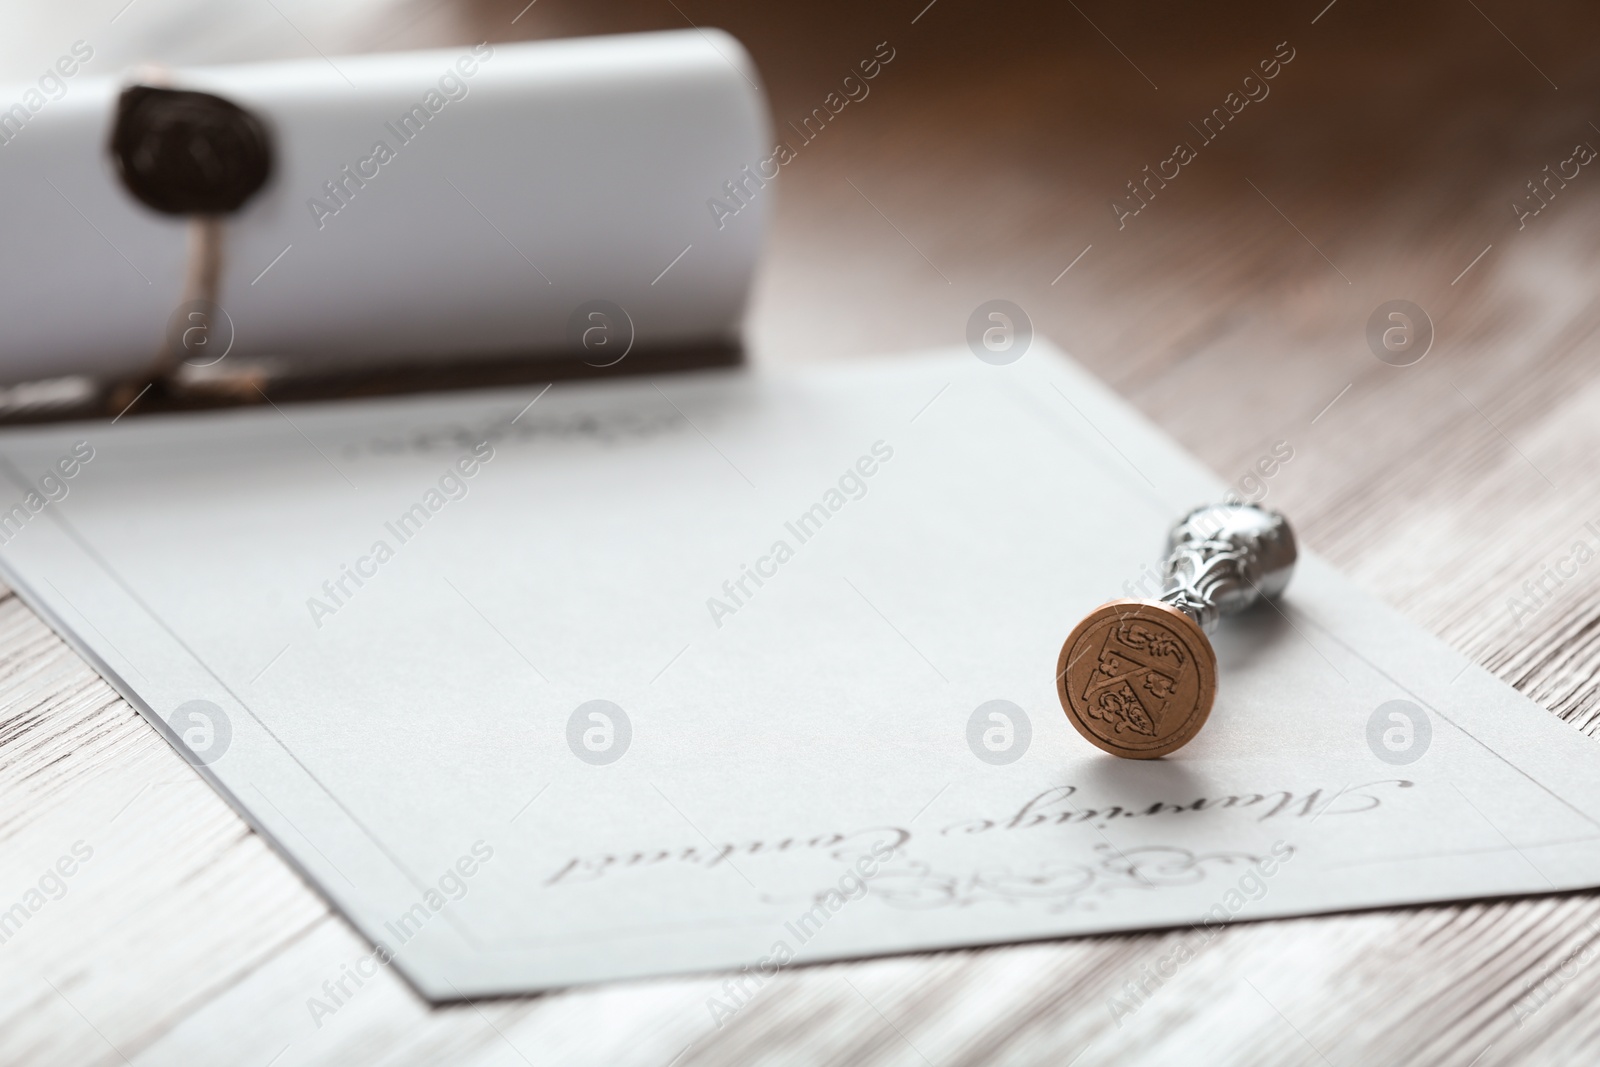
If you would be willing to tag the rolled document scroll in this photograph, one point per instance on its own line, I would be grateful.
(471, 201)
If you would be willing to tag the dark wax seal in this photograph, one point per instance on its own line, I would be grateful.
(188, 153)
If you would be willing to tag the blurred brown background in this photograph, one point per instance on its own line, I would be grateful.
(1395, 142)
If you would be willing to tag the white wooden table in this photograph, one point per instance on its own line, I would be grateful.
(1231, 310)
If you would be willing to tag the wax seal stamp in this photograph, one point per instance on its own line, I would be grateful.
(195, 154)
(187, 153)
(1137, 677)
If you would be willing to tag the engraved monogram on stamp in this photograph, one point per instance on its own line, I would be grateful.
(1136, 678)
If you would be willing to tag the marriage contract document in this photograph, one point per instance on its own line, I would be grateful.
(741, 669)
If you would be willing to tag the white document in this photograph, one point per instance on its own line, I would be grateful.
(458, 202)
(696, 672)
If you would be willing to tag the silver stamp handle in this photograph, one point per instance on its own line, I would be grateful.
(1222, 558)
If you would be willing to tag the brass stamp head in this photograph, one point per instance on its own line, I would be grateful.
(1137, 678)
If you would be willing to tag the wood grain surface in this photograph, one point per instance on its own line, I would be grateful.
(1232, 309)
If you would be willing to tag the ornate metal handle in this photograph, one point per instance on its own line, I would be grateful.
(1222, 558)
